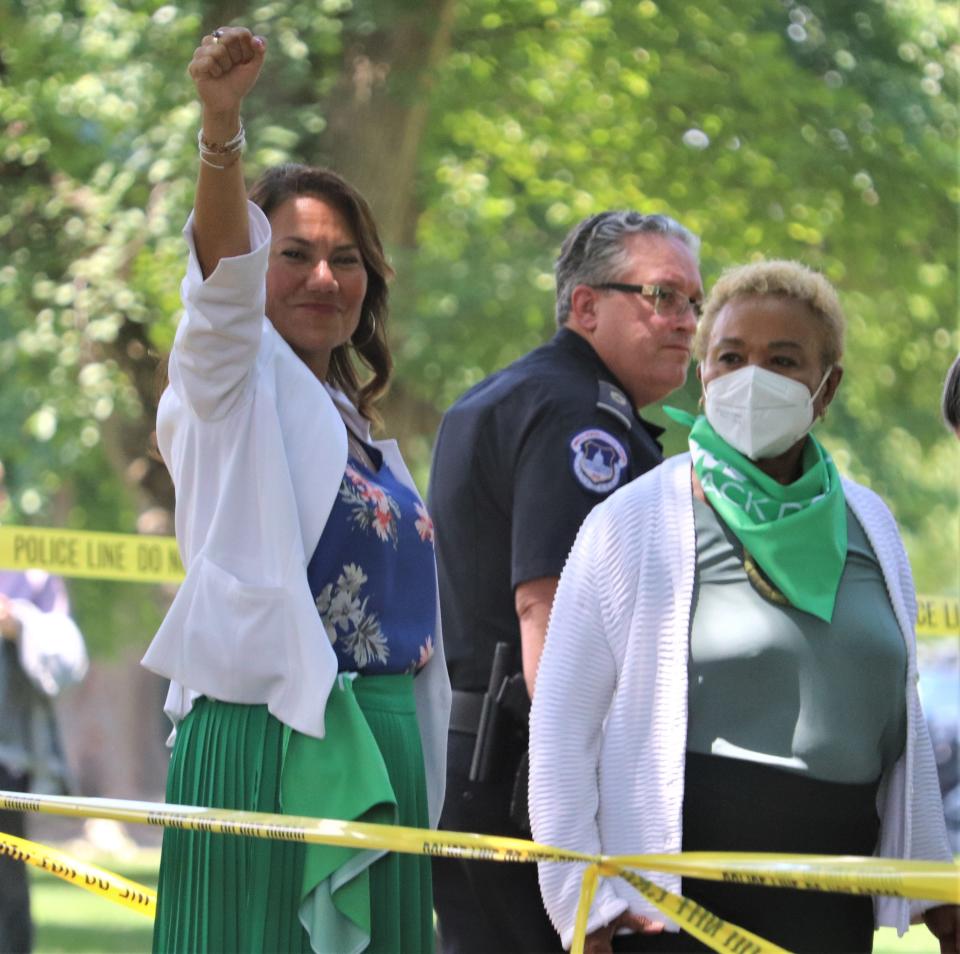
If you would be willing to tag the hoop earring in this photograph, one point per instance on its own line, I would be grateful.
(373, 331)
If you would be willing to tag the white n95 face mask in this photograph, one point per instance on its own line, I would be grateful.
(760, 413)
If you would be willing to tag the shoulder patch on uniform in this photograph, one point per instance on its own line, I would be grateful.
(612, 400)
(598, 460)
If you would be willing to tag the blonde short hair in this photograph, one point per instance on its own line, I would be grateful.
(777, 277)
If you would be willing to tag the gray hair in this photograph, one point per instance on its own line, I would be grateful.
(595, 250)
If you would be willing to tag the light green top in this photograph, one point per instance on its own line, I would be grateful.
(774, 684)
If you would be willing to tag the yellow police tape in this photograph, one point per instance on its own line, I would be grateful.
(717, 934)
(147, 559)
(128, 893)
(83, 553)
(934, 881)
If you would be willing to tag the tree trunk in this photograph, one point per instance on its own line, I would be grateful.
(377, 112)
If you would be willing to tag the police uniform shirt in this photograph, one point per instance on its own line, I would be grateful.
(519, 462)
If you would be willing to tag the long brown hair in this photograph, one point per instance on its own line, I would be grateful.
(369, 341)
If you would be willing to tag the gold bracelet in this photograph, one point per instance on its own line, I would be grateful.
(235, 144)
(226, 153)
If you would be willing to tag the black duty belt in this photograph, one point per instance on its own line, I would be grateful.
(465, 711)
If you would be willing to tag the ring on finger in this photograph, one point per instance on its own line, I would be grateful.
(216, 35)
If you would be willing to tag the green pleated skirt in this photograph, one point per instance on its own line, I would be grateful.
(222, 893)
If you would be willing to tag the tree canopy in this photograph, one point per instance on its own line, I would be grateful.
(481, 130)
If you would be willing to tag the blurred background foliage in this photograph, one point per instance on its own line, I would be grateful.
(481, 130)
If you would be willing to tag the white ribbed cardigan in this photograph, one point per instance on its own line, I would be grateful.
(609, 719)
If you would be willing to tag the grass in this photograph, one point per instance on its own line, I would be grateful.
(918, 940)
(69, 920)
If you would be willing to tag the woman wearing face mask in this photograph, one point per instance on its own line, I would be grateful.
(732, 648)
(303, 647)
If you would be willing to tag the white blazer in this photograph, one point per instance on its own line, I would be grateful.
(609, 718)
(256, 447)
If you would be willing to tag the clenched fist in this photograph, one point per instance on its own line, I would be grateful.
(225, 68)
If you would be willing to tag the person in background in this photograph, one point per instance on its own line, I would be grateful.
(303, 646)
(950, 403)
(731, 660)
(41, 652)
(520, 460)
(940, 666)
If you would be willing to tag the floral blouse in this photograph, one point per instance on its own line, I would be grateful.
(373, 575)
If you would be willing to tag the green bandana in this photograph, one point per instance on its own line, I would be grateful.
(797, 533)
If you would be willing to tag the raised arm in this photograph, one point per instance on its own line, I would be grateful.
(219, 336)
(224, 69)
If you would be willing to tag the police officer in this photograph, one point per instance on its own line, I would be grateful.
(519, 461)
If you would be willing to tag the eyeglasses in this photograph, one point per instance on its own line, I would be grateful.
(666, 300)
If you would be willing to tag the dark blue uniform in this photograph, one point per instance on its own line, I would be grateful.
(519, 461)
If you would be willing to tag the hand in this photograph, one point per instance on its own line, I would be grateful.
(9, 624)
(600, 941)
(225, 68)
(944, 923)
